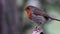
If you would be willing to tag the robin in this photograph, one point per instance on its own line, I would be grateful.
(37, 15)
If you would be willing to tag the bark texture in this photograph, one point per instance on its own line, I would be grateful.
(9, 17)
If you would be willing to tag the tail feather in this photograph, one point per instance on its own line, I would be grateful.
(54, 19)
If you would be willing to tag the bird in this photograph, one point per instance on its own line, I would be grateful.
(37, 15)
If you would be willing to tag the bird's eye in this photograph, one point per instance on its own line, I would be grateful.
(27, 7)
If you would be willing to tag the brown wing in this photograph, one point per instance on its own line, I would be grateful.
(38, 11)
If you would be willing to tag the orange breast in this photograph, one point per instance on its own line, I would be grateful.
(29, 13)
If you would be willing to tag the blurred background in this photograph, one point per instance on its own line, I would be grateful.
(14, 17)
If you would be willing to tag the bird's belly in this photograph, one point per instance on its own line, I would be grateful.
(39, 19)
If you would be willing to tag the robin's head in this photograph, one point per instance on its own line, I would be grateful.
(31, 8)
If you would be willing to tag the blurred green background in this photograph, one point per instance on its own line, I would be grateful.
(51, 7)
